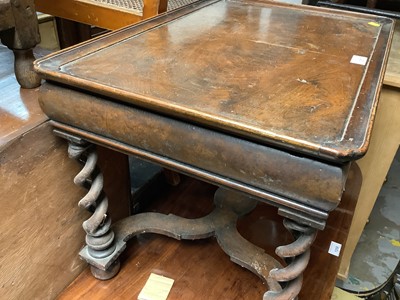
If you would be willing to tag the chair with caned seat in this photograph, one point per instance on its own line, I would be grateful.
(108, 14)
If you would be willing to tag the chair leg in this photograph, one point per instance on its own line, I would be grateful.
(23, 66)
(22, 39)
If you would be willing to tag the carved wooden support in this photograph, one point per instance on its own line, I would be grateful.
(297, 256)
(99, 236)
(221, 223)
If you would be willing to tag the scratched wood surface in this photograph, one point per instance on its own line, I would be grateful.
(201, 270)
(267, 71)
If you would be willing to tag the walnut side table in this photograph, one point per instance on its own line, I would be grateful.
(271, 102)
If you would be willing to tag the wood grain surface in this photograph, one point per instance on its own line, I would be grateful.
(40, 219)
(201, 270)
(274, 73)
(302, 179)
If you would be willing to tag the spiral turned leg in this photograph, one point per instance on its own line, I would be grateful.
(297, 256)
(99, 236)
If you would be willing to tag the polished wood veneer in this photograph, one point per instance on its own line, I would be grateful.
(269, 72)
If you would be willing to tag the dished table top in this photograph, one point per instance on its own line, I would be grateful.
(297, 77)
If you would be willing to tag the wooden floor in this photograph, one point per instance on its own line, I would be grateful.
(19, 108)
(200, 269)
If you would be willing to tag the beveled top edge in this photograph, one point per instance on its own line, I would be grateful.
(348, 149)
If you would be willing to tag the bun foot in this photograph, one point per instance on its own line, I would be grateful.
(107, 274)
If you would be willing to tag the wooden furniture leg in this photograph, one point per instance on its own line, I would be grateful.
(297, 255)
(99, 236)
(21, 39)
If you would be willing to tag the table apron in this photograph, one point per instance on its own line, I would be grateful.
(313, 183)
